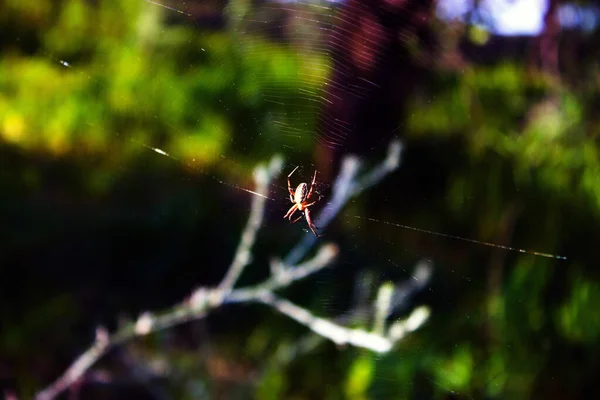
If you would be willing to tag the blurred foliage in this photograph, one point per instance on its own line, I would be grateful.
(360, 376)
(576, 318)
(131, 79)
(524, 117)
(89, 84)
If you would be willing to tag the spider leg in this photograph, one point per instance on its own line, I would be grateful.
(297, 219)
(293, 171)
(310, 204)
(290, 185)
(291, 211)
(312, 185)
(310, 223)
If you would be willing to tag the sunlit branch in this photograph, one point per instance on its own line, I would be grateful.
(283, 273)
(323, 327)
(375, 175)
(401, 294)
(243, 253)
(204, 299)
(76, 370)
(380, 342)
(282, 276)
(382, 306)
(346, 186)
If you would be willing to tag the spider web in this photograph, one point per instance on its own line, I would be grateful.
(301, 92)
(289, 47)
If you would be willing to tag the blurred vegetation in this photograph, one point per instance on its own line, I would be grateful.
(132, 78)
(92, 226)
(525, 117)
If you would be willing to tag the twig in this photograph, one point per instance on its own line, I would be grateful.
(401, 295)
(378, 342)
(205, 299)
(201, 301)
(345, 187)
(336, 333)
(243, 253)
(74, 372)
(284, 276)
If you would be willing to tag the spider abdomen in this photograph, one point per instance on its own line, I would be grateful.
(301, 199)
(300, 193)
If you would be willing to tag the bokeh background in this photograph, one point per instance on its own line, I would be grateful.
(496, 103)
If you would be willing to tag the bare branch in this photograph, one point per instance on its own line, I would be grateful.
(205, 299)
(402, 292)
(196, 307)
(374, 341)
(262, 178)
(382, 306)
(345, 187)
(283, 276)
(373, 177)
(76, 370)
(334, 332)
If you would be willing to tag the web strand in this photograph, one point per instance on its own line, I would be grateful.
(445, 235)
(169, 8)
(481, 242)
(164, 153)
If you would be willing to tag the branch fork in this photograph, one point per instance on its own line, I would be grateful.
(294, 267)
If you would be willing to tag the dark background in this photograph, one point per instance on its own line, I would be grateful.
(500, 141)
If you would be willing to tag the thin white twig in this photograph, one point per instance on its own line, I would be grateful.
(328, 329)
(382, 306)
(374, 341)
(286, 275)
(402, 293)
(243, 253)
(74, 372)
(373, 177)
(197, 306)
(203, 300)
(346, 186)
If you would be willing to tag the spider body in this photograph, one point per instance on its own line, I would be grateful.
(300, 195)
(301, 199)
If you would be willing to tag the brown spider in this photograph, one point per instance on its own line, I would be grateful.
(301, 197)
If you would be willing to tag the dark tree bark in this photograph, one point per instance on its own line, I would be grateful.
(374, 69)
(545, 49)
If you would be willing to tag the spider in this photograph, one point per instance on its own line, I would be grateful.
(301, 197)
